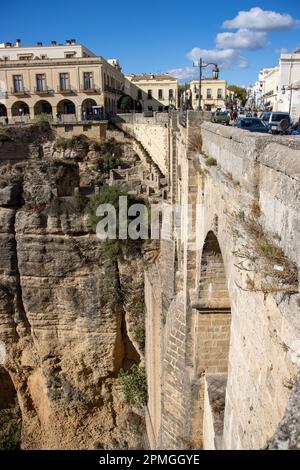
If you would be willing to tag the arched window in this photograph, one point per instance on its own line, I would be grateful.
(42, 107)
(20, 108)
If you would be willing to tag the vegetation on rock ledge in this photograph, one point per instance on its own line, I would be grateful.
(133, 384)
(10, 427)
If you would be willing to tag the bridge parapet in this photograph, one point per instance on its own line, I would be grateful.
(266, 167)
(151, 132)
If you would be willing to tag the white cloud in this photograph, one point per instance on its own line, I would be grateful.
(225, 58)
(184, 73)
(242, 39)
(261, 20)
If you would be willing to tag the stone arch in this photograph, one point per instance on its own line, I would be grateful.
(66, 107)
(42, 107)
(87, 108)
(3, 110)
(10, 414)
(213, 290)
(20, 108)
(211, 324)
(214, 309)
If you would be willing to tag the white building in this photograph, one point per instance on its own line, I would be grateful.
(289, 84)
(270, 89)
(255, 92)
(70, 50)
(154, 92)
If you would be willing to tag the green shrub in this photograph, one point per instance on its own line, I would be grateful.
(126, 103)
(76, 142)
(109, 154)
(111, 195)
(4, 137)
(211, 162)
(10, 427)
(63, 143)
(133, 384)
(41, 118)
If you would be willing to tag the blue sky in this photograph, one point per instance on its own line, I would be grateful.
(164, 35)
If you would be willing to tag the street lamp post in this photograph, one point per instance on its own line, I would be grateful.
(201, 66)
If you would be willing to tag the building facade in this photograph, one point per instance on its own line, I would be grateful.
(289, 84)
(154, 92)
(255, 92)
(270, 89)
(67, 82)
(213, 93)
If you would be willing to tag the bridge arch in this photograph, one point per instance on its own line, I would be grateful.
(211, 324)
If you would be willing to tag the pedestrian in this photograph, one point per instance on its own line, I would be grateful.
(84, 115)
(6, 120)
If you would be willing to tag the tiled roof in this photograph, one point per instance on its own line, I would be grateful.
(149, 76)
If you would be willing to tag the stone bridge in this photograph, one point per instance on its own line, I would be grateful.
(223, 304)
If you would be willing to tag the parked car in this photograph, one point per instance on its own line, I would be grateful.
(252, 124)
(278, 122)
(221, 117)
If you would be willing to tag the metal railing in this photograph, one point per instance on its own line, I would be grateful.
(89, 89)
(43, 90)
(19, 92)
(113, 90)
(68, 90)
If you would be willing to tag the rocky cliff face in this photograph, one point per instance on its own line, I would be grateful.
(70, 316)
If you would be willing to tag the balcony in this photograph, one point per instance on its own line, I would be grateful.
(90, 90)
(19, 92)
(43, 91)
(66, 90)
(111, 89)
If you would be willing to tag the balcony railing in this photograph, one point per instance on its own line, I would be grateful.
(92, 89)
(65, 90)
(19, 92)
(43, 91)
(111, 89)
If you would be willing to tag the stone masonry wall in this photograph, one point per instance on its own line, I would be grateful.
(153, 133)
(232, 173)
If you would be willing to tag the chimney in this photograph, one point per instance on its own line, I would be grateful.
(69, 42)
(18, 42)
(73, 41)
(39, 43)
(53, 43)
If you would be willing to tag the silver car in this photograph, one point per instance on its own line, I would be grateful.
(278, 122)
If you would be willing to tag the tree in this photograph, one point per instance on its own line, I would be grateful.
(240, 93)
(126, 103)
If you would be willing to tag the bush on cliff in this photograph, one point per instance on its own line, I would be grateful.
(133, 384)
(75, 143)
(10, 427)
(111, 195)
(4, 137)
(109, 154)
